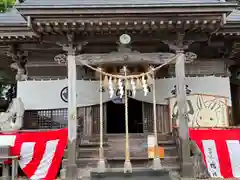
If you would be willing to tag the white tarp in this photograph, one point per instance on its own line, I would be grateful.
(47, 94)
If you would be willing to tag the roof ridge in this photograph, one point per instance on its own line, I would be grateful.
(234, 16)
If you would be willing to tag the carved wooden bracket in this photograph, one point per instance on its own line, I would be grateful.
(19, 61)
(128, 58)
(179, 45)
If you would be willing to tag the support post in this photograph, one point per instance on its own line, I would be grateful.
(71, 173)
(156, 161)
(127, 163)
(101, 162)
(186, 163)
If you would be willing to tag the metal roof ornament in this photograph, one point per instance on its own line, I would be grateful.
(125, 39)
(60, 59)
(190, 57)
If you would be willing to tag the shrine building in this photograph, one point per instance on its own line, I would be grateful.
(122, 75)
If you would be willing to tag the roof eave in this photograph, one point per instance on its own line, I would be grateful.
(180, 5)
(124, 10)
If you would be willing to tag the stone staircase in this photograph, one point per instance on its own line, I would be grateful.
(114, 151)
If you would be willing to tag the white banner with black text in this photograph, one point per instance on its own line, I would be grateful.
(53, 94)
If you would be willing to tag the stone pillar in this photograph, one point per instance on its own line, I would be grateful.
(179, 45)
(71, 170)
(186, 164)
(156, 161)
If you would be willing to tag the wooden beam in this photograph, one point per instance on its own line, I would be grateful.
(132, 24)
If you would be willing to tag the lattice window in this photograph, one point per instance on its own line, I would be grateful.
(148, 117)
(96, 118)
(45, 119)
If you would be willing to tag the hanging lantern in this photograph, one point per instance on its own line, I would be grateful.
(133, 87)
(105, 81)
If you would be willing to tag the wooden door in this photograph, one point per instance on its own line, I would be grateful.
(96, 118)
(163, 121)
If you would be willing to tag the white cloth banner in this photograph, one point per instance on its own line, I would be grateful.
(211, 157)
(52, 94)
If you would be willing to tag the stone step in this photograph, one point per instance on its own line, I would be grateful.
(118, 162)
(92, 144)
(165, 139)
(94, 138)
(91, 152)
(118, 173)
(106, 143)
(94, 152)
(139, 173)
(161, 137)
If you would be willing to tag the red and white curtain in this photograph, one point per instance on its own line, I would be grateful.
(221, 150)
(40, 153)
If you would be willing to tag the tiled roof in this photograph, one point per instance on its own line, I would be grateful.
(112, 3)
(12, 17)
(234, 16)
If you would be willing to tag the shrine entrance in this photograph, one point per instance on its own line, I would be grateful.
(116, 116)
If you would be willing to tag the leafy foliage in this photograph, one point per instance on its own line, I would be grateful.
(6, 4)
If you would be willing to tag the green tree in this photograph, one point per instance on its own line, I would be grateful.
(6, 4)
